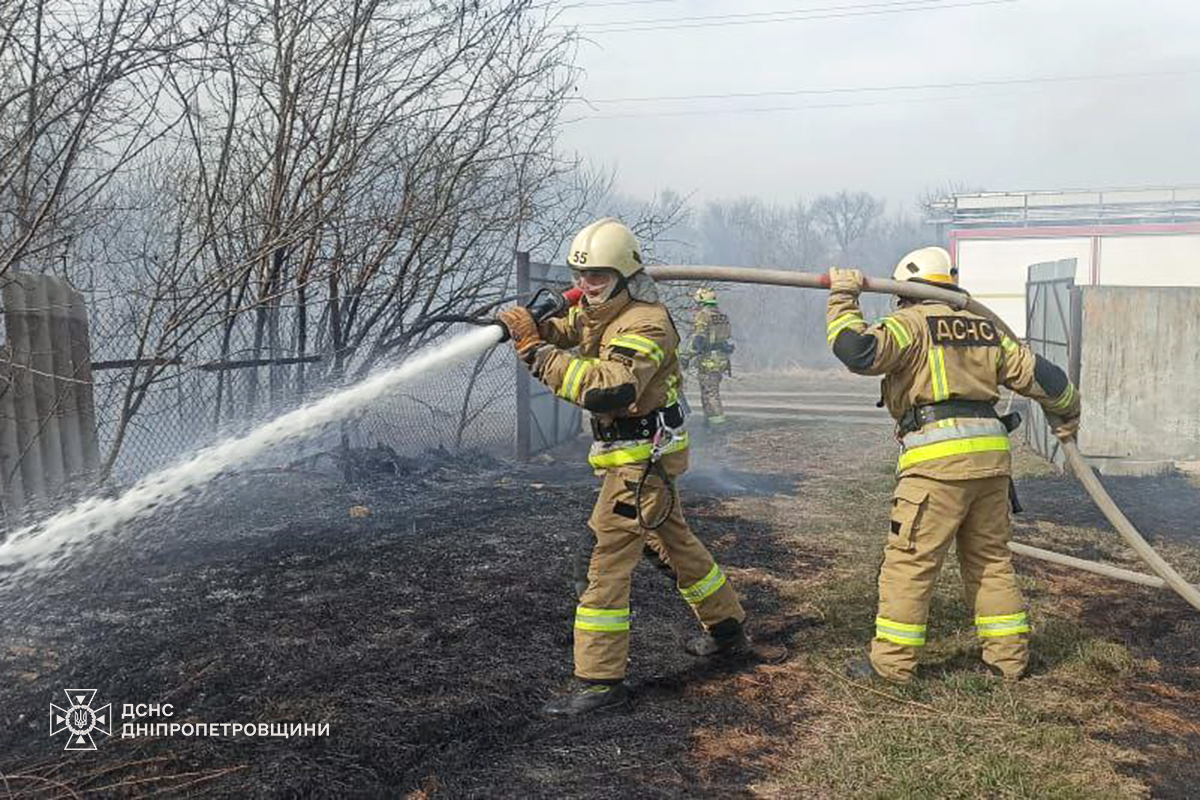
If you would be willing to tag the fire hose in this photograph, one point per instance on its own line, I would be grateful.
(1167, 576)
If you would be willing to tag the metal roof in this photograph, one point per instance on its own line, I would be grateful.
(1064, 207)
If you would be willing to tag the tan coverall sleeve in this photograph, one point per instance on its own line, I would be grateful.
(616, 379)
(561, 331)
(867, 349)
(1028, 374)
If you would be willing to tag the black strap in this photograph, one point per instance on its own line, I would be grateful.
(668, 487)
(1014, 502)
(634, 428)
(918, 417)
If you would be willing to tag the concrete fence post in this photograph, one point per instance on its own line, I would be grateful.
(47, 409)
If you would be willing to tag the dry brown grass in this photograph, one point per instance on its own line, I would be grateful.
(1090, 722)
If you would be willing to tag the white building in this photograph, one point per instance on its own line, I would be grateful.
(1118, 237)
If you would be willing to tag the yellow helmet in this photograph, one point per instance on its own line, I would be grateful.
(606, 244)
(705, 297)
(927, 265)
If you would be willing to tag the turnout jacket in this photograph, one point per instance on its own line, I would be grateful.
(930, 353)
(616, 359)
(711, 336)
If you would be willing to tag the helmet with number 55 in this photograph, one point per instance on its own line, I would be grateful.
(606, 244)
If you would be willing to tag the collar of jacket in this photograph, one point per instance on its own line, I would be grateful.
(602, 314)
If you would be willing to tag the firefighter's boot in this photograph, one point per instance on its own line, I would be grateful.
(593, 697)
(726, 637)
(862, 671)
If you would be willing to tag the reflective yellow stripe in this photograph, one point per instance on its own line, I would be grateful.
(1007, 346)
(572, 315)
(939, 277)
(904, 633)
(704, 588)
(898, 331)
(843, 322)
(612, 620)
(1064, 400)
(673, 389)
(1004, 625)
(909, 627)
(954, 447)
(937, 371)
(640, 344)
(632, 455)
(573, 381)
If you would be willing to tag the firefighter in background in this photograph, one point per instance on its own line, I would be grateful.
(615, 355)
(942, 368)
(709, 349)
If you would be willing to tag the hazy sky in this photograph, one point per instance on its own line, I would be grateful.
(1071, 134)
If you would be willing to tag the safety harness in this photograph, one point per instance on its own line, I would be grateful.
(637, 428)
(918, 417)
(663, 428)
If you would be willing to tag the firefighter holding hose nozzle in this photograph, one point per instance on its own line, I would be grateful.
(942, 368)
(615, 355)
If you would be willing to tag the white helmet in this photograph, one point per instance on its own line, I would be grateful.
(927, 265)
(606, 244)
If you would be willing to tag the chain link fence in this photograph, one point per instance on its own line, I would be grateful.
(151, 414)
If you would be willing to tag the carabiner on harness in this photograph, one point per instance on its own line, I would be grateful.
(663, 436)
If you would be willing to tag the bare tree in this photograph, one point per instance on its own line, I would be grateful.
(846, 217)
(345, 178)
(265, 182)
(81, 98)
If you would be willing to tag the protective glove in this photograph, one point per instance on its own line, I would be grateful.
(521, 329)
(1065, 429)
(845, 280)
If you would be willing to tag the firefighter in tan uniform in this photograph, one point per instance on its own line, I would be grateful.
(709, 348)
(942, 369)
(615, 355)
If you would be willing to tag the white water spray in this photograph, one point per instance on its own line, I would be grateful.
(41, 545)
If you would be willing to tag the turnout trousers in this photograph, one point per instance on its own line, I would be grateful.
(602, 618)
(710, 396)
(927, 517)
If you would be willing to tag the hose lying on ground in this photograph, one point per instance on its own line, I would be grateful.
(962, 301)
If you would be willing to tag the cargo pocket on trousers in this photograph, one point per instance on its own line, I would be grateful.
(907, 504)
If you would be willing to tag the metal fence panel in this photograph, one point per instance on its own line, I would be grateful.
(1051, 331)
(543, 421)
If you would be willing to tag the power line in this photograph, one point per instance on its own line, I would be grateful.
(893, 87)
(868, 11)
(758, 14)
(881, 102)
(619, 3)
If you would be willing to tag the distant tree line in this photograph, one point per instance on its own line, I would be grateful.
(781, 328)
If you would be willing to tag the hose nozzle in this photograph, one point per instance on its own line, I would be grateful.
(547, 303)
